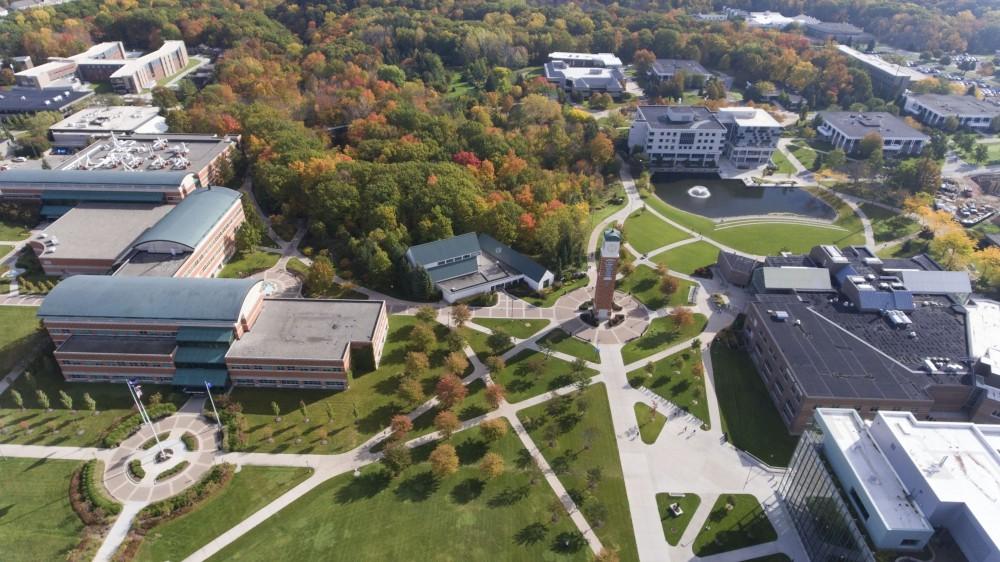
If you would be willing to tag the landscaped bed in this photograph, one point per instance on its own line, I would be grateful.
(674, 526)
(674, 379)
(650, 422)
(463, 516)
(736, 521)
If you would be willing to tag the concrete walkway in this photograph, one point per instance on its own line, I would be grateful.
(118, 531)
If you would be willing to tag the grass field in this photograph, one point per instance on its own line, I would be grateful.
(548, 298)
(770, 238)
(358, 412)
(992, 154)
(473, 406)
(251, 488)
(888, 225)
(521, 329)
(661, 334)
(644, 284)
(906, 249)
(742, 525)
(805, 155)
(530, 373)
(477, 341)
(36, 519)
(689, 257)
(605, 210)
(674, 380)
(249, 264)
(748, 415)
(559, 340)
(576, 440)
(21, 332)
(337, 291)
(36, 426)
(645, 232)
(12, 231)
(782, 163)
(650, 423)
(673, 527)
(459, 517)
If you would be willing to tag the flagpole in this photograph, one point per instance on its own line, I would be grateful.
(145, 417)
(208, 388)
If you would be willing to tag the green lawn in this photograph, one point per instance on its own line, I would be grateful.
(605, 210)
(992, 158)
(689, 257)
(804, 154)
(906, 249)
(12, 232)
(661, 334)
(650, 423)
(358, 412)
(459, 87)
(781, 161)
(477, 341)
(36, 519)
(192, 62)
(249, 264)
(251, 488)
(771, 238)
(530, 373)
(20, 333)
(459, 517)
(337, 291)
(645, 232)
(561, 341)
(520, 328)
(674, 380)
(36, 426)
(644, 284)
(740, 525)
(673, 527)
(888, 225)
(549, 297)
(577, 439)
(473, 406)
(749, 417)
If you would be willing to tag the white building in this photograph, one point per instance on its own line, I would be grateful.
(845, 129)
(906, 477)
(691, 138)
(587, 60)
(585, 81)
(935, 109)
(768, 19)
(79, 130)
(752, 135)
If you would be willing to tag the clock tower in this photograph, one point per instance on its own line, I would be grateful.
(607, 272)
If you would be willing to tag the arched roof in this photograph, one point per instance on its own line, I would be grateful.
(192, 219)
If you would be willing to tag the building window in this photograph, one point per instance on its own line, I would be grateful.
(909, 542)
(858, 504)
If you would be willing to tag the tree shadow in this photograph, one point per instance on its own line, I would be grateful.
(378, 418)
(366, 486)
(519, 385)
(388, 386)
(568, 542)
(471, 451)
(467, 490)
(509, 496)
(418, 487)
(471, 411)
(533, 533)
(524, 460)
(680, 387)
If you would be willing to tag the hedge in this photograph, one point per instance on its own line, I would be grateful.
(131, 424)
(173, 506)
(136, 470)
(93, 489)
(190, 441)
(151, 441)
(172, 471)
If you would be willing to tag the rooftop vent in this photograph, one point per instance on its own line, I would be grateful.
(780, 315)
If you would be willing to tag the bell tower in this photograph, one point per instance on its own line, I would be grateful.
(607, 272)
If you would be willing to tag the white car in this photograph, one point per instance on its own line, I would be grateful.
(19, 159)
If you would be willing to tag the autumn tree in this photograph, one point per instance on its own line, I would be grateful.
(869, 143)
(495, 363)
(450, 391)
(447, 423)
(397, 457)
(668, 285)
(493, 429)
(444, 461)
(400, 425)
(422, 338)
(456, 363)
(410, 390)
(495, 395)
(491, 466)
(461, 314)
(319, 277)
(682, 317)
(953, 249)
(417, 364)
(42, 398)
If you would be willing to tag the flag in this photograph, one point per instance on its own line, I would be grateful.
(208, 384)
(138, 391)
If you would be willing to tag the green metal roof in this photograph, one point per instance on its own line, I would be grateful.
(201, 355)
(205, 335)
(54, 210)
(470, 243)
(440, 250)
(102, 177)
(148, 298)
(511, 257)
(192, 219)
(110, 196)
(197, 377)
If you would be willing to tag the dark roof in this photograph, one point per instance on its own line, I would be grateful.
(193, 218)
(447, 248)
(453, 270)
(669, 67)
(790, 260)
(956, 105)
(512, 258)
(118, 345)
(855, 124)
(198, 377)
(835, 28)
(680, 117)
(107, 179)
(148, 298)
(31, 100)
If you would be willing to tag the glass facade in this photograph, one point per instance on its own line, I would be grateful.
(817, 509)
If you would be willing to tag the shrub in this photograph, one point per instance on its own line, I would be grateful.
(93, 490)
(136, 470)
(172, 471)
(217, 477)
(150, 442)
(132, 423)
(190, 441)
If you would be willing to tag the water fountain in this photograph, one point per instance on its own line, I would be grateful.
(699, 192)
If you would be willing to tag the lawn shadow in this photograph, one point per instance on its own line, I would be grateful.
(418, 487)
(533, 533)
(509, 496)
(467, 490)
(471, 451)
(366, 486)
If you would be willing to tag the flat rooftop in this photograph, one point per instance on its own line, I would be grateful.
(844, 429)
(25, 100)
(748, 117)
(118, 345)
(672, 66)
(173, 152)
(46, 67)
(100, 231)
(486, 270)
(959, 461)
(883, 65)
(984, 325)
(680, 117)
(608, 59)
(107, 119)
(308, 329)
(151, 264)
(856, 124)
(956, 105)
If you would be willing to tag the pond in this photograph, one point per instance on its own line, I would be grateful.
(731, 198)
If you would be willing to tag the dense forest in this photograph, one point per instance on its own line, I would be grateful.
(352, 120)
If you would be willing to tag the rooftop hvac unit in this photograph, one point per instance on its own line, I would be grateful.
(780, 315)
